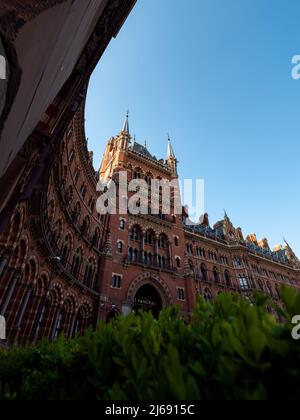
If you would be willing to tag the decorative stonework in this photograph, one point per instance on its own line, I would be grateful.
(155, 281)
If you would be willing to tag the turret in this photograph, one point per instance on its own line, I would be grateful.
(171, 159)
(124, 138)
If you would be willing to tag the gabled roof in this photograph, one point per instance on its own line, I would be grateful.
(142, 150)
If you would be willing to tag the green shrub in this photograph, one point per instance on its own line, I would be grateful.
(232, 350)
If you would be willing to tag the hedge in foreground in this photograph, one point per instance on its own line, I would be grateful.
(231, 350)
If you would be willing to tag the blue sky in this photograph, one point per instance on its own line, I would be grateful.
(216, 75)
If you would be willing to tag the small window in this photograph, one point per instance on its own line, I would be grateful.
(178, 262)
(176, 241)
(120, 247)
(122, 224)
(116, 281)
(181, 294)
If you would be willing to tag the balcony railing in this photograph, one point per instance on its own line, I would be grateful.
(149, 264)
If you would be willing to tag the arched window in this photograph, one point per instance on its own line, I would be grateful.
(76, 265)
(85, 226)
(178, 262)
(122, 224)
(92, 204)
(96, 238)
(83, 191)
(216, 275)
(120, 247)
(227, 279)
(145, 258)
(76, 213)
(89, 273)
(159, 261)
(149, 240)
(204, 272)
(135, 234)
(162, 242)
(176, 240)
(66, 250)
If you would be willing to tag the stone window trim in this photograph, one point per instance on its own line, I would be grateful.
(120, 244)
(122, 224)
(181, 294)
(116, 276)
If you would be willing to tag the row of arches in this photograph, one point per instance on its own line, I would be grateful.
(215, 275)
(90, 228)
(34, 307)
(82, 270)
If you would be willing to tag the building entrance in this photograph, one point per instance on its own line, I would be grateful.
(148, 299)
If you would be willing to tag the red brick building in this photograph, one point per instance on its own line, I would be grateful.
(159, 260)
(64, 267)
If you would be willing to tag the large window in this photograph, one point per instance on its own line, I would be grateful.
(244, 283)
(180, 294)
(116, 281)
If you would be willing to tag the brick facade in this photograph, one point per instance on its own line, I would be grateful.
(64, 267)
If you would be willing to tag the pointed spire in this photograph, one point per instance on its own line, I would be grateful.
(170, 152)
(126, 124)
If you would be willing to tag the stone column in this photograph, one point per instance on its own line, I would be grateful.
(156, 251)
(10, 292)
(170, 256)
(23, 308)
(71, 329)
(143, 239)
(54, 325)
